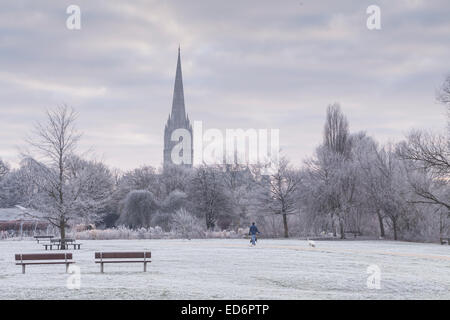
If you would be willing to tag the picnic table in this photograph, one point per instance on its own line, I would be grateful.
(61, 245)
(43, 238)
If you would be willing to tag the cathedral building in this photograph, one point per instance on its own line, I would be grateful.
(178, 119)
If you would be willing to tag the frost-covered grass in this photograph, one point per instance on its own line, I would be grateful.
(230, 269)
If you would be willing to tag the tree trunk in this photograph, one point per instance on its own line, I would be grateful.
(341, 226)
(380, 221)
(286, 231)
(394, 226)
(333, 225)
(62, 231)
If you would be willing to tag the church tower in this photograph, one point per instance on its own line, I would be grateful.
(177, 118)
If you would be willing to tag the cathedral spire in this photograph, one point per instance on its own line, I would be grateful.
(178, 108)
(178, 119)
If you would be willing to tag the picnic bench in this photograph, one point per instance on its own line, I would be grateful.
(445, 240)
(43, 238)
(62, 244)
(126, 257)
(43, 258)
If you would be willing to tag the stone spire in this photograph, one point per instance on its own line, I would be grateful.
(177, 118)
(178, 108)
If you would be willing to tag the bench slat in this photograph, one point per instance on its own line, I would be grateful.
(44, 256)
(28, 263)
(120, 261)
(122, 255)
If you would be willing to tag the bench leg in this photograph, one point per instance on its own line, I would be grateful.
(101, 267)
(145, 266)
(67, 267)
(23, 269)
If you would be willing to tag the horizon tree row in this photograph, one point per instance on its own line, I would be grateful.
(350, 184)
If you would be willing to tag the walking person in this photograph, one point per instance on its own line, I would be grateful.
(253, 231)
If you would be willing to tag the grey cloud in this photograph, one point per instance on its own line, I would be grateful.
(261, 64)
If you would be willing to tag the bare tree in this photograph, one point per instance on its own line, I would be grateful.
(4, 169)
(430, 153)
(333, 182)
(367, 157)
(394, 189)
(54, 142)
(443, 96)
(336, 132)
(278, 192)
(208, 195)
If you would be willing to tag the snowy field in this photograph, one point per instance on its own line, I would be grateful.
(230, 269)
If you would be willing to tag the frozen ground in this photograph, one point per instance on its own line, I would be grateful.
(230, 269)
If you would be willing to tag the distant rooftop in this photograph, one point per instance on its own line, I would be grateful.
(12, 214)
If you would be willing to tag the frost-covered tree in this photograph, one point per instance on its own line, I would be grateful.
(174, 177)
(187, 225)
(327, 176)
(54, 142)
(336, 131)
(331, 172)
(239, 181)
(209, 196)
(430, 153)
(65, 189)
(139, 207)
(372, 180)
(143, 178)
(395, 191)
(174, 201)
(16, 187)
(278, 191)
(4, 169)
(443, 96)
(95, 185)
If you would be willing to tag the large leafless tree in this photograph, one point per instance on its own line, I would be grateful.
(430, 153)
(278, 192)
(52, 146)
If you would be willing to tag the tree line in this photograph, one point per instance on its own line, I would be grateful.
(350, 184)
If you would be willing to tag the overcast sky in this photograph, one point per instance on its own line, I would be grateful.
(246, 64)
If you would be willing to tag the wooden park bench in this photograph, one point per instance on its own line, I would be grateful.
(126, 257)
(445, 240)
(43, 238)
(62, 245)
(43, 258)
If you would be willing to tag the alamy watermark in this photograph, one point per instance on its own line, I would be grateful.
(73, 22)
(236, 146)
(374, 278)
(374, 20)
(74, 280)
